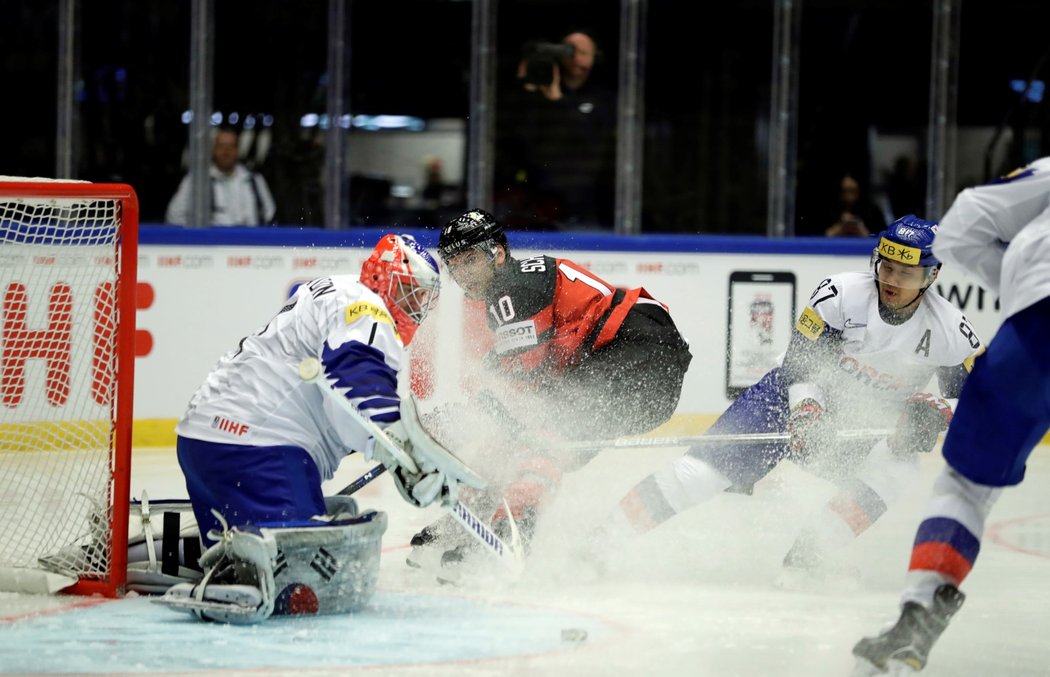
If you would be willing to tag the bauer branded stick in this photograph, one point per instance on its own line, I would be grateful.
(727, 438)
(492, 406)
(509, 554)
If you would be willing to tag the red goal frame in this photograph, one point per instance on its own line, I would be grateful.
(121, 405)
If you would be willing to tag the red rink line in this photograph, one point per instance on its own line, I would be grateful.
(73, 604)
(995, 536)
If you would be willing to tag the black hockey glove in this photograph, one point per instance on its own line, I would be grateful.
(924, 417)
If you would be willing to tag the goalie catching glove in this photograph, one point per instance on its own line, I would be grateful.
(924, 417)
(421, 486)
(432, 472)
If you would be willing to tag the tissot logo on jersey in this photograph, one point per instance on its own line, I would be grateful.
(516, 335)
(226, 425)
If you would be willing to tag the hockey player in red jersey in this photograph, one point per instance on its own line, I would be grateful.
(573, 356)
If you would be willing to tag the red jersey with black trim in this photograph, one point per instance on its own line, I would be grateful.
(546, 313)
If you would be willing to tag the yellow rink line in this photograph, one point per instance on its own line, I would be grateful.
(160, 432)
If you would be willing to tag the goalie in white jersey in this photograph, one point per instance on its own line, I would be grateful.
(257, 441)
(1000, 232)
(861, 356)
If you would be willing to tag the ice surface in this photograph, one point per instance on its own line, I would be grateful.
(694, 597)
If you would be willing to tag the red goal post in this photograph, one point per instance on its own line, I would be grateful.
(68, 258)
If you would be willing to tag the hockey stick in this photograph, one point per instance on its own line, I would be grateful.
(509, 554)
(724, 438)
(499, 412)
(361, 481)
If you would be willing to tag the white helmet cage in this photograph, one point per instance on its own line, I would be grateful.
(416, 283)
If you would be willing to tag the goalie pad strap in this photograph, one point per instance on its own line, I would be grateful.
(169, 549)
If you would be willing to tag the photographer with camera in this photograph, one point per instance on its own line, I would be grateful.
(547, 65)
(555, 146)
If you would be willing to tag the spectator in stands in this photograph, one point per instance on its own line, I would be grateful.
(239, 196)
(904, 187)
(555, 145)
(855, 215)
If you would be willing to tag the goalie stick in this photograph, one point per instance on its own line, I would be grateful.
(509, 554)
(360, 482)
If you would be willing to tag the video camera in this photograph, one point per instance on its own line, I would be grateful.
(541, 58)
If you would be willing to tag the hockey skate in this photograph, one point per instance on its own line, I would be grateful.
(439, 546)
(904, 648)
(451, 553)
(807, 568)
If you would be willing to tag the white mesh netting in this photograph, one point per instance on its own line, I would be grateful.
(59, 271)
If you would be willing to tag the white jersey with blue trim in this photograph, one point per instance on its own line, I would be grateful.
(1000, 232)
(877, 365)
(254, 395)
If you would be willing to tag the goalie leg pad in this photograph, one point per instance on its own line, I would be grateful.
(341, 507)
(328, 569)
(253, 574)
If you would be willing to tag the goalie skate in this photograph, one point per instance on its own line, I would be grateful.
(236, 604)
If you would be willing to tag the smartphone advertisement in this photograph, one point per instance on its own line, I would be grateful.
(761, 316)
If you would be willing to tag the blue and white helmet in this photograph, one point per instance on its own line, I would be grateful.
(908, 240)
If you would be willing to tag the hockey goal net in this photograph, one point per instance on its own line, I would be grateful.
(68, 254)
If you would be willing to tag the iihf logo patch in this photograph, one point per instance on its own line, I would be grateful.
(296, 600)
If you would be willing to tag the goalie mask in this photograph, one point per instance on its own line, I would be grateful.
(903, 257)
(406, 277)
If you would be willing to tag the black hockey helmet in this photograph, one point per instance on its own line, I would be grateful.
(476, 229)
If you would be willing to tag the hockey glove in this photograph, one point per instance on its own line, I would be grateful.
(805, 427)
(423, 488)
(418, 488)
(923, 418)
